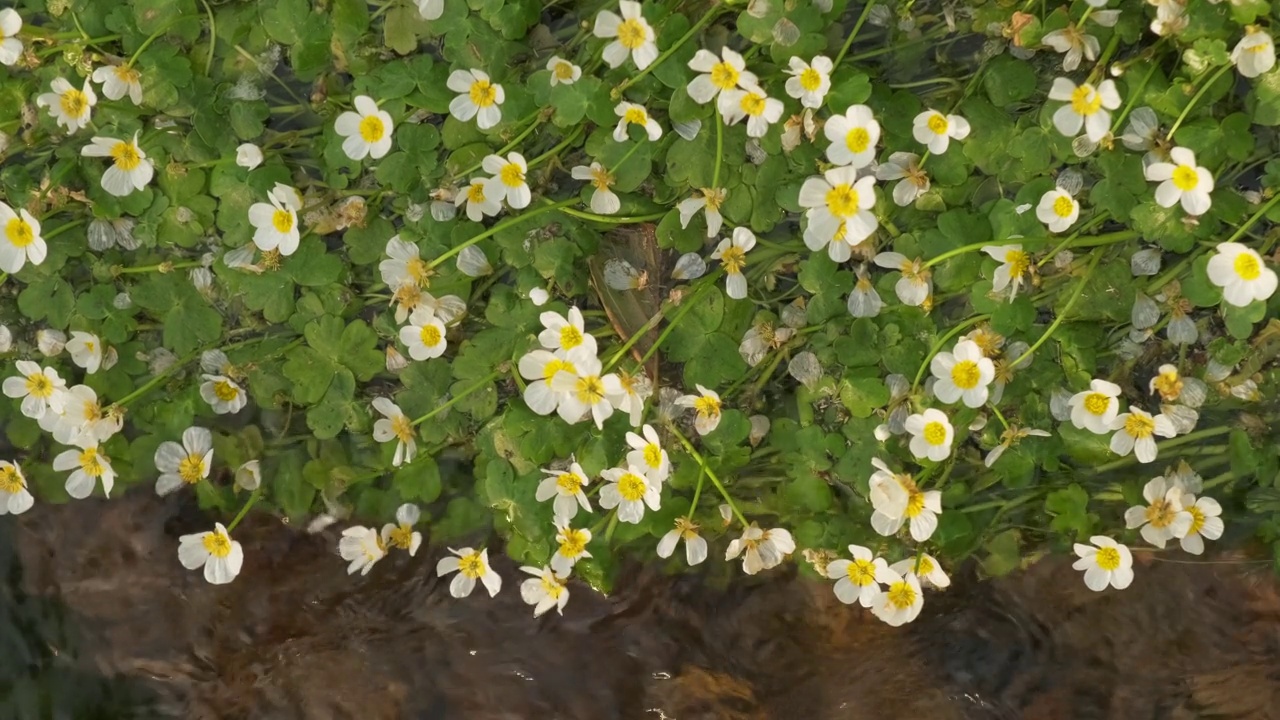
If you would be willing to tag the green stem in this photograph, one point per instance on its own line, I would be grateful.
(213, 37)
(1240, 232)
(459, 397)
(499, 228)
(559, 146)
(706, 18)
(147, 43)
(715, 174)
(697, 493)
(613, 525)
(244, 510)
(1134, 95)
(538, 119)
(1066, 309)
(164, 267)
(1196, 98)
(848, 42)
(685, 306)
(62, 228)
(157, 379)
(942, 341)
(613, 219)
(702, 463)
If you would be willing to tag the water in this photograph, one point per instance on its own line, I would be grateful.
(98, 620)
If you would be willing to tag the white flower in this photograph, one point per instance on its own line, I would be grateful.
(1095, 409)
(545, 590)
(963, 375)
(67, 105)
(901, 601)
(839, 211)
(1014, 264)
(40, 388)
(709, 200)
(732, 254)
(566, 487)
(562, 71)
(898, 500)
(472, 262)
(853, 137)
(223, 394)
(1057, 210)
(185, 464)
(689, 266)
(1206, 522)
(85, 350)
(630, 114)
(403, 266)
(1254, 54)
(633, 36)
(118, 81)
(50, 342)
(1086, 107)
(249, 475)
(220, 556)
(707, 406)
(540, 366)
(424, 336)
(1182, 181)
(931, 434)
(1106, 562)
(6, 339)
(362, 547)
(571, 547)
(81, 421)
(935, 130)
(630, 394)
(582, 390)
(14, 496)
(647, 453)
(1241, 274)
(926, 569)
(481, 198)
(276, 224)
(905, 168)
(809, 82)
(1162, 518)
(539, 296)
(1075, 43)
(430, 9)
(1134, 431)
(248, 156)
(603, 201)
(565, 334)
(130, 169)
(10, 45)
(858, 579)
(751, 103)
(695, 546)
(395, 425)
(471, 565)
(629, 490)
(509, 179)
(761, 549)
(480, 99)
(367, 130)
(88, 465)
(401, 533)
(718, 74)
(914, 286)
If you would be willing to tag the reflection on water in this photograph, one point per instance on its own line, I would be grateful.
(99, 620)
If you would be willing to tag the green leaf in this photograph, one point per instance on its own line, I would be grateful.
(1069, 508)
(189, 321)
(1008, 80)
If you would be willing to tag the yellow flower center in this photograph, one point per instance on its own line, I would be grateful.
(217, 544)
(552, 587)
(857, 139)
(589, 390)
(653, 456)
(1108, 558)
(569, 483)
(39, 385)
(574, 543)
(563, 70)
(1247, 266)
(1063, 206)
(1096, 403)
(570, 337)
(1197, 520)
(91, 463)
(1185, 178)
(1160, 513)
(10, 480)
(402, 428)
(1019, 262)
(734, 259)
(631, 487)
(901, 595)
(861, 572)
(74, 103)
(707, 406)
(724, 76)
(632, 33)
(938, 123)
(752, 104)
(475, 193)
(225, 391)
(714, 198)
(1140, 427)
(19, 232)
(483, 93)
(418, 270)
(191, 469)
(926, 566)
(810, 80)
(282, 221)
(402, 537)
(471, 565)
(842, 201)
(127, 75)
(1084, 101)
(915, 503)
(601, 179)
(935, 433)
(636, 116)
(965, 374)
(512, 175)
(555, 366)
(430, 335)
(1168, 384)
(372, 129)
(125, 155)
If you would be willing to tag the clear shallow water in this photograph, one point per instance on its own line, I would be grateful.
(98, 620)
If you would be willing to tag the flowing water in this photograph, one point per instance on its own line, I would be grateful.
(98, 620)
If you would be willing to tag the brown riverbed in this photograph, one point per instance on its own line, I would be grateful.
(102, 622)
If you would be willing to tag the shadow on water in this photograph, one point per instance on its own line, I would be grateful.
(100, 621)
